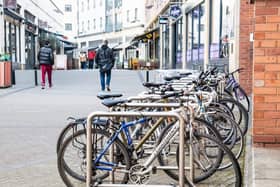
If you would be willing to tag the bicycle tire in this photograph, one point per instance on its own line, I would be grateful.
(243, 114)
(160, 157)
(227, 152)
(246, 104)
(65, 170)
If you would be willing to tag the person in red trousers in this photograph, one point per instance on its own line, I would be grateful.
(46, 60)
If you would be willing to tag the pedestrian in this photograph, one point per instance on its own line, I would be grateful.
(104, 59)
(91, 56)
(83, 60)
(46, 60)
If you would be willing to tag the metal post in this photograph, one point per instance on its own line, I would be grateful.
(2, 27)
(36, 76)
(161, 39)
(129, 114)
(184, 40)
(147, 76)
(207, 34)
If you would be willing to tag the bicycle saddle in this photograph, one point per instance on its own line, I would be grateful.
(170, 78)
(111, 102)
(108, 95)
(152, 84)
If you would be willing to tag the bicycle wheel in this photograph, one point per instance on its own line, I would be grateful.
(242, 97)
(72, 159)
(230, 132)
(72, 127)
(167, 157)
(203, 145)
(240, 114)
(66, 132)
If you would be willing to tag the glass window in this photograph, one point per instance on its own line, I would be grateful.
(101, 1)
(201, 28)
(68, 8)
(136, 14)
(82, 6)
(189, 38)
(215, 30)
(94, 3)
(101, 24)
(127, 15)
(88, 4)
(83, 27)
(88, 25)
(94, 24)
(68, 26)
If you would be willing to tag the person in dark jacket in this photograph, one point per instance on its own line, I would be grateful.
(46, 60)
(104, 59)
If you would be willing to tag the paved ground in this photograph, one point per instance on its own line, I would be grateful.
(31, 120)
(266, 167)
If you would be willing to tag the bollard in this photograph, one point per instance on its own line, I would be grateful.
(36, 77)
(147, 76)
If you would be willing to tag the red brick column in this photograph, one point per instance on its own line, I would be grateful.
(266, 78)
(245, 46)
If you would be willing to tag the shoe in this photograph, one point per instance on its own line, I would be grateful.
(43, 87)
(50, 86)
(108, 89)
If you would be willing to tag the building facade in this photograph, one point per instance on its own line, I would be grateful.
(118, 21)
(26, 23)
(70, 13)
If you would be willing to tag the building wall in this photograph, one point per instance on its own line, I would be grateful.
(266, 76)
(129, 27)
(69, 17)
(245, 45)
(45, 11)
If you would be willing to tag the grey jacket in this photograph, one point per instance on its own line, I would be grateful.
(45, 55)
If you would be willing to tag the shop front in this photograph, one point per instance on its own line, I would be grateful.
(30, 42)
(220, 34)
(12, 35)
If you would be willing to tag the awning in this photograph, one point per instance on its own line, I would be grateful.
(147, 35)
(61, 38)
(13, 14)
(125, 45)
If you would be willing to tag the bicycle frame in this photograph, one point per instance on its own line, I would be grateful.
(141, 114)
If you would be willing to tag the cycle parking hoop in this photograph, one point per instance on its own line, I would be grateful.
(137, 114)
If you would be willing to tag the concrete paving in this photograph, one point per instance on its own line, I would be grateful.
(31, 120)
(266, 170)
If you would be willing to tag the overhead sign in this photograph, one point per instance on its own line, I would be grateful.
(175, 11)
(163, 20)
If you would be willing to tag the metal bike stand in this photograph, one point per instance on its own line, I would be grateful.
(134, 114)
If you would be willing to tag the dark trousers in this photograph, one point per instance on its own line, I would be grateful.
(83, 65)
(46, 69)
(102, 79)
(90, 64)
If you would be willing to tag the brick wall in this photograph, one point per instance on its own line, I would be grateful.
(266, 78)
(245, 46)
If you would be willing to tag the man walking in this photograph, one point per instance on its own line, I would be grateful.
(105, 61)
(46, 60)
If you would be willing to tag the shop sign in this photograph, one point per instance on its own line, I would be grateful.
(163, 20)
(175, 11)
(42, 24)
(12, 4)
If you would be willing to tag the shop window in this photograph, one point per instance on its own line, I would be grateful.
(68, 8)
(68, 26)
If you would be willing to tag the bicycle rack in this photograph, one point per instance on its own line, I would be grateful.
(140, 114)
